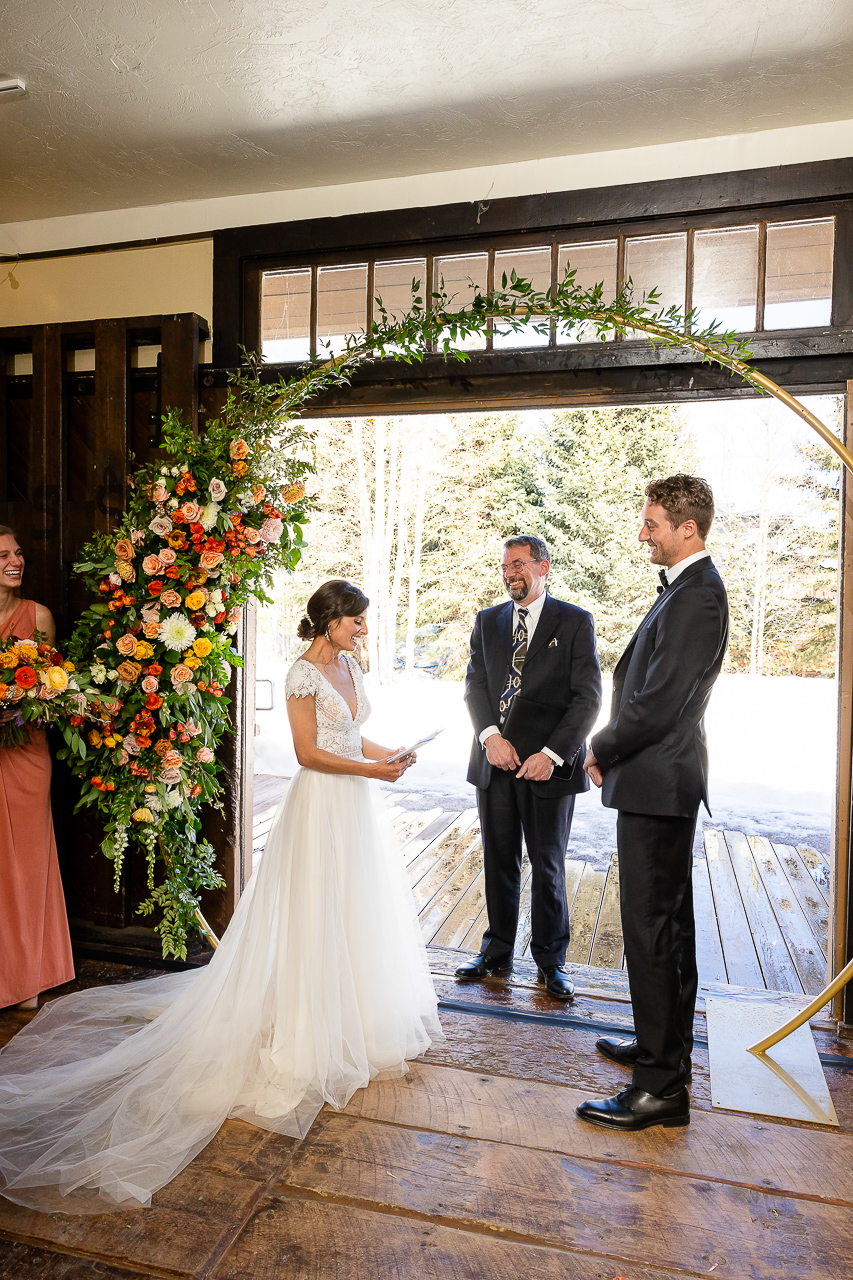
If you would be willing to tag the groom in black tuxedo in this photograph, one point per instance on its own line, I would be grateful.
(533, 690)
(652, 765)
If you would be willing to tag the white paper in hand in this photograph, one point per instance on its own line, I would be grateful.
(407, 751)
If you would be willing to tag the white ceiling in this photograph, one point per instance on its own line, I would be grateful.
(134, 102)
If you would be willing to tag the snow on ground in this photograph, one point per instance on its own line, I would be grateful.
(772, 742)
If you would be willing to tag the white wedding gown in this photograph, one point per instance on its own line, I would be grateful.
(320, 984)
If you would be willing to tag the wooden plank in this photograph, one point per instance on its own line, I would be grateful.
(442, 870)
(461, 919)
(29, 1262)
(292, 1238)
(434, 912)
(810, 895)
(817, 868)
(709, 948)
(584, 914)
(630, 1213)
(457, 838)
(809, 960)
(449, 825)
(541, 1116)
(607, 945)
(776, 963)
(739, 951)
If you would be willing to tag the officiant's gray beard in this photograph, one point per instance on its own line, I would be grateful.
(517, 590)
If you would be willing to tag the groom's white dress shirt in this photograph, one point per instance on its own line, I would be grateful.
(534, 612)
(672, 574)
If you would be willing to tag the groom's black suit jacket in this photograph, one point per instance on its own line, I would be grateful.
(653, 753)
(560, 670)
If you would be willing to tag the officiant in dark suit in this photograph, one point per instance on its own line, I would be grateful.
(533, 690)
(651, 762)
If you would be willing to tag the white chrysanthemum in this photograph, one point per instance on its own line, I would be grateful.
(173, 798)
(153, 803)
(98, 672)
(177, 632)
(208, 516)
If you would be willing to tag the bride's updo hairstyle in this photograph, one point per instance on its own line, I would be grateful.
(337, 598)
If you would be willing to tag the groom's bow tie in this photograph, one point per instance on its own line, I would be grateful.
(663, 581)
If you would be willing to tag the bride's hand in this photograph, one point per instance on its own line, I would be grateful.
(389, 770)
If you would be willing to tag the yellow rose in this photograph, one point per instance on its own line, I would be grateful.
(202, 646)
(192, 662)
(55, 678)
(194, 601)
(144, 649)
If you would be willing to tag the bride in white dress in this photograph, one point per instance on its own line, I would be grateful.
(320, 983)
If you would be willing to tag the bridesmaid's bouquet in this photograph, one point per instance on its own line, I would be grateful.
(38, 687)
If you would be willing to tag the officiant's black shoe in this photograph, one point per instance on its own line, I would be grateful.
(634, 1109)
(557, 982)
(626, 1052)
(484, 967)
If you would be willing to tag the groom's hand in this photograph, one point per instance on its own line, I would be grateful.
(500, 753)
(536, 768)
(593, 769)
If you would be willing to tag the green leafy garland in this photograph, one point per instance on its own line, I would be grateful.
(203, 534)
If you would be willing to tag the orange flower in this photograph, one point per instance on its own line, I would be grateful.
(155, 669)
(4, 689)
(154, 588)
(293, 493)
(129, 672)
(123, 549)
(239, 468)
(152, 702)
(151, 630)
(239, 449)
(25, 677)
(196, 791)
(173, 571)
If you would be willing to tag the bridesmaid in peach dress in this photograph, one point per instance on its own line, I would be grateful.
(35, 949)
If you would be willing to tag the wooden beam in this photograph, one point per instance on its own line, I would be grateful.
(46, 560)
(841, 940)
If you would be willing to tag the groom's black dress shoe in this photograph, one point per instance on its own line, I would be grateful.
(557, 982)
(483, 967)
(626, 1052)
(634, 1109)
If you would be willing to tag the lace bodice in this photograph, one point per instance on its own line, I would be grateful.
(338, 730)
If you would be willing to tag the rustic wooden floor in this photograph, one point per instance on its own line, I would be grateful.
(475, 1167)
(761, 910)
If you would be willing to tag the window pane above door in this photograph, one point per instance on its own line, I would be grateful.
(725, 277)
(593, 263)
(457, 274)
(341, 305)
(528, 264)
(798, 292)
(658, 262)
(286, 315)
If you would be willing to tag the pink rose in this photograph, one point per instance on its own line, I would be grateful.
(112, 706)
(217, 489)
(151, 610)
(137, 536)
(151, 565)
(130, 745)
(252, 535)
(122, 757)
(204, 755)
(170, 776)
(45, 694)
(192, 728)
(271, 530)
(161, 525)
(167, 556)
(192, 511)
(172, 759)
(150, 684)
(159, 493)
(258, 494)
(181, 674)
(171, 599)
(211, 559)
(234, 615)
(126, 645)
(115, 579)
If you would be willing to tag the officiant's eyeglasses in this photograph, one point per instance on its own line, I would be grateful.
(515, 565)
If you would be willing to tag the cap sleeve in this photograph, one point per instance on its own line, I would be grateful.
(301, 680)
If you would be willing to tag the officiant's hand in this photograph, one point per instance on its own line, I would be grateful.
(500, 753)
(536, 768)
(593, 769)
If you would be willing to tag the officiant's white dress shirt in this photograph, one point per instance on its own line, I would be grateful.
(534, 613)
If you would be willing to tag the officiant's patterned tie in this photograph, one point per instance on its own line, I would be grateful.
(519, 653)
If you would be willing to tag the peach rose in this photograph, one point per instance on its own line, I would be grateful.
(217, 489)
(150, 684)
(129, 672)
(192, 511)
(151, 630)
(152, 565)
(239, 449)
(204, 755)
(172, 759)
(171, 599)
(181, 674)
(159, 493)
(167, 556)
(124, 549)
(258, 494)
(151, 610)
(126, 645)
(170, 776)
(252, 535)
(211, 559)
(161, 525)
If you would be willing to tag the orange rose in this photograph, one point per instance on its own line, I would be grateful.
(25, 677)
(126, 645)
(124, 549)
(154, 588)
(211, 559)
(239, 449)
(151, 630)
(173, 572)
(129, 672)
(152, 702)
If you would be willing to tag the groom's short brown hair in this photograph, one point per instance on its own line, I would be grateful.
(684, 498)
